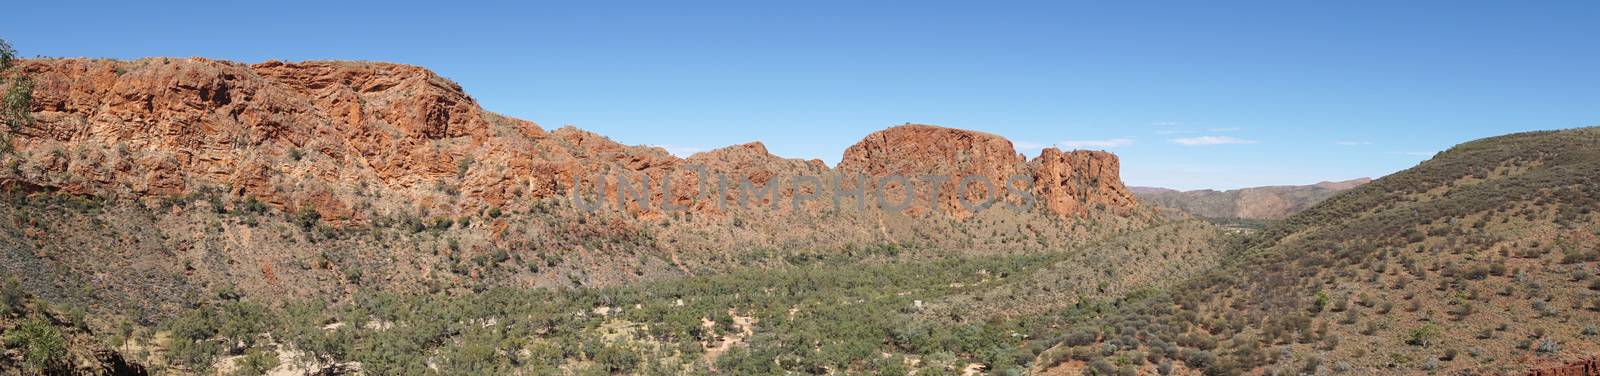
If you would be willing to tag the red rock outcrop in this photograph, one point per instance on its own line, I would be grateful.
(1070, 183)
(915, 151)
(355, 139)
(1585, 367)
(1065, 183)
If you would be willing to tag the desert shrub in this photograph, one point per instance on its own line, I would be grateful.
(1370, 329)
(1462, 311)
(1350, 318)
(1101, 367)
(256, 362)
(11, 297)
(43, 347)
(1477, 273)
(1080, 337)
(1426, 336)
(1330, 342)
(1548, 346)
(1319, 302)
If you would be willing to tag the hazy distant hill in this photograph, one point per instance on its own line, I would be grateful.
(1274, 202)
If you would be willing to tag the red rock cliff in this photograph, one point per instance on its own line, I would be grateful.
(1071, 183)
(354, 139)
(326, 135)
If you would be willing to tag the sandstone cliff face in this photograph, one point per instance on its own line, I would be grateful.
(352, 140)
(1071, 183)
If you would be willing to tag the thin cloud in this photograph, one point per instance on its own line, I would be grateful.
(1212, 140)
(1111, 143)
(1229, 129)
(1027, 147)
(1352, 143)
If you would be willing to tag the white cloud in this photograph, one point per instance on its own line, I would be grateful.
(680, 151)
(1352, 143)
(1111, 143)
(1230, 129)
(1212, 140)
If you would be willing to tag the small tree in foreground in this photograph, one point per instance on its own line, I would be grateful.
(43, 347)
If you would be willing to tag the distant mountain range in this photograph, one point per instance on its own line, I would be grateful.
(1271, 202)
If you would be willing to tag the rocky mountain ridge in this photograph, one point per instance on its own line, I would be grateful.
(351, 140)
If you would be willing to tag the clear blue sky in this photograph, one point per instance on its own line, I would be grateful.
(1284, 92)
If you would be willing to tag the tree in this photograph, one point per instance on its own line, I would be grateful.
(7, 54)
(17, 100)
(18, 97)
(193, 340)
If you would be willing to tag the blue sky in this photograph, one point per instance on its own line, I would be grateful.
(1190, 95)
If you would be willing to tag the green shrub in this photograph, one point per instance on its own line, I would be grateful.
(618, 359)
(43, 348)
(256, 362)
(1426, 336)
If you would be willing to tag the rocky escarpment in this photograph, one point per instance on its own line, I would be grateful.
(330, 136)
(353, 140)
